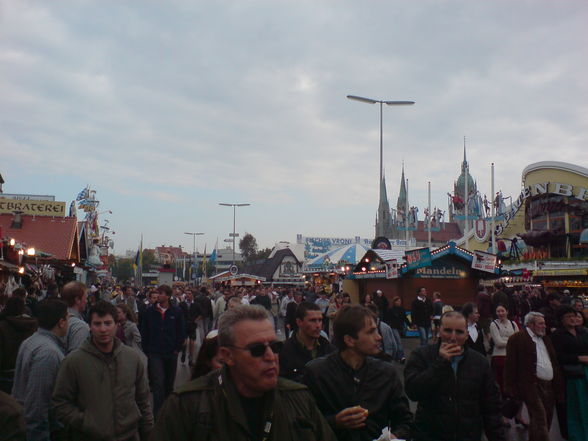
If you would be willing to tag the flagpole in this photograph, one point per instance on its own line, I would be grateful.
(141, 263)
(429, 221)
(493, 208)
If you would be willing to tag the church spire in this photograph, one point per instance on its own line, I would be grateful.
(401, 204)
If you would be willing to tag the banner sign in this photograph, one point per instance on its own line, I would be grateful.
(418, 258)
(391, 270)
(484, 261)
(34, 208)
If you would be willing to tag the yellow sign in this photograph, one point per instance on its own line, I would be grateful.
(35, 208)
(561, 272)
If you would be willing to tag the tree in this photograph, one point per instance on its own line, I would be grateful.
(148, 259)
(248, 247)
(122, 269)
(262, 254)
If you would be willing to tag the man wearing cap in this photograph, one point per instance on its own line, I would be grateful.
(244, 400)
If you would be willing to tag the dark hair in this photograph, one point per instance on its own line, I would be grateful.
(563, 310)
(165, 289)
(14, 306)
(304, 307)
(49, 312)
(503, 305)
(102, 308)
(419, 289)
(72, 291)
(52, 290)
(130, 315)
(206, 353)
(374, 308)
(20, 293)
(553, 296)
(349, 321)
(468, 309)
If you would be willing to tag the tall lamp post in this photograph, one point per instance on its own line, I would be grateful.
(234, 235)
(194, 245)
(381, 102)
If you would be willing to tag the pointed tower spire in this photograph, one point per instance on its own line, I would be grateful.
(401, 203)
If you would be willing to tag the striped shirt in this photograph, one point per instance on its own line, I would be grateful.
(37, 363)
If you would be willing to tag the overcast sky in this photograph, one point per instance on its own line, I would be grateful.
(167, 108)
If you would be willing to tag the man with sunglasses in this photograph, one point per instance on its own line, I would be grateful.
(244, 400)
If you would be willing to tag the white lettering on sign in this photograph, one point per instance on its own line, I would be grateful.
(563, 189)
(541, 188)
(582, 194)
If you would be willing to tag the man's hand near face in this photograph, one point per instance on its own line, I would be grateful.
(449, 350)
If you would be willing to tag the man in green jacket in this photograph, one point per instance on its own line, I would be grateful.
(101, 391)
(244, 400)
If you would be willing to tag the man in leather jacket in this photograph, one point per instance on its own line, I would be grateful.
(358, 394)
(455, 389)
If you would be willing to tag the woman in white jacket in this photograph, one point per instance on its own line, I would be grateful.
(500, 331)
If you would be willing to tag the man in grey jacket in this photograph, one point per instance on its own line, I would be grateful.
(37, 363)
(75, 295)
(101, 390)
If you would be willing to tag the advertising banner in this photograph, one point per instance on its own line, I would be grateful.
(484, 261)
(391, 270)
(418, 258)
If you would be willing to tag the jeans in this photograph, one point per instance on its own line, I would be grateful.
(398, 341)
(424, 335)
(162, 375)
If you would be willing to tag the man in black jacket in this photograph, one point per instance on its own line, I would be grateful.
(163, 332)
(306, 344)
(455, 389)
(359, 395)
(421, 312)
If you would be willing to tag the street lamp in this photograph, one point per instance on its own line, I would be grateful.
(234, 235)
(381, 102)
(194, 245)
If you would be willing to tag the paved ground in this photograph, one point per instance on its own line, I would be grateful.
(515, 434)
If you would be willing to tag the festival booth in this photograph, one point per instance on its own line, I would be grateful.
(37, 248)
(327, 268)
(232, 279)
(453, 271)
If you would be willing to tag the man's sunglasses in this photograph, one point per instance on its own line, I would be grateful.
(258, 349)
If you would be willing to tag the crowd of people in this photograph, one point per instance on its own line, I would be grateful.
(289, 364)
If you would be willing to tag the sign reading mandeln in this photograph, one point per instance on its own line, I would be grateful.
(34, 208)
